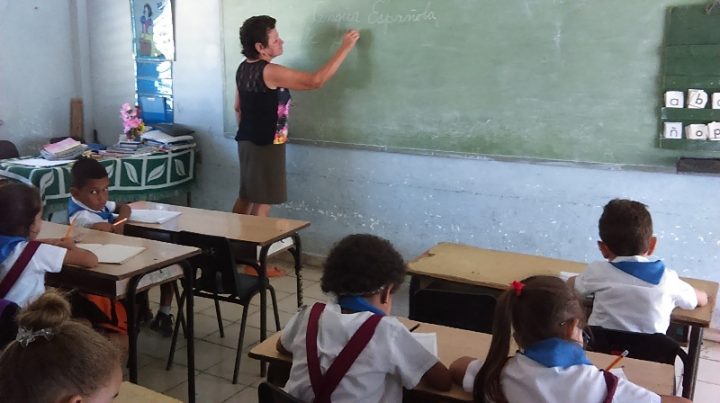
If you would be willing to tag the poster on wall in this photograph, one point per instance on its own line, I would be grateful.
(153, 29)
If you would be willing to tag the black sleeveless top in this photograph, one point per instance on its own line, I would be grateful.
(259, 106)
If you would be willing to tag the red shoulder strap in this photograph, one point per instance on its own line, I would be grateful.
(311, 347)
(323, 386)
(9, 281)
(611, 382)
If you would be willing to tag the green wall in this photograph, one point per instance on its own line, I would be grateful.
(565, 80)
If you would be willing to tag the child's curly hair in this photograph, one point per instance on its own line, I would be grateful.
(362, 264)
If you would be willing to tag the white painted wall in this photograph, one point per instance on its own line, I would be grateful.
(37, 70)
(112, 67)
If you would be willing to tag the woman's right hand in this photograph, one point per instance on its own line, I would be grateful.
(350, 38)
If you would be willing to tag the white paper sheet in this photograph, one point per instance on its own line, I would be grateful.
(112, 253)
(152, 216)
(39, 162)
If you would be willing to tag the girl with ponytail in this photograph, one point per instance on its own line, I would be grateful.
(55, 359)
(545, 318)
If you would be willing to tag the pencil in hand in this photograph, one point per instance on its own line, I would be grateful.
(68, 232)
(617, 360)
(118, 222)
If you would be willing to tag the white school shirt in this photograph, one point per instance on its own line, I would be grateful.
(31, 283)
(524, 380)
(393, 359)
(624, 302)
(88, 217)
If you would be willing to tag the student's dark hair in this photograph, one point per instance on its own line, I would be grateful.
(253, 30)
(19, 204)
(75, 360)
(543, 310)
(626, 227)
(86, 169)
(361, 264)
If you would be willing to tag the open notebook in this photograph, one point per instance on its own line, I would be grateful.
(112, 253)
(152, 216)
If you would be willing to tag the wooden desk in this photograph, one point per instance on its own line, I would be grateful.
(121, 280)
(132, 393)
(455, 343)
(250, 231)
(497, 269)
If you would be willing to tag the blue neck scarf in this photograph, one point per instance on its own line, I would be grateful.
(650, 272)
(7, 244)
(73, 208)
(356, 303)
(556, 352)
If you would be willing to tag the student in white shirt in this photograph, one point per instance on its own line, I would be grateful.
(362, 272)
(20, 223)
(90, 207)
(633, 291)
(545, 318)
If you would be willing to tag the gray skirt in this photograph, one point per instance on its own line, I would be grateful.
(262, 173)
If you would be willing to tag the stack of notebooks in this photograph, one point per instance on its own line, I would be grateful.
(129, 148)
(63, 150)
(168, 142)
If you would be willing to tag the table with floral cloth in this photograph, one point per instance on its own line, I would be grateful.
(150, 177)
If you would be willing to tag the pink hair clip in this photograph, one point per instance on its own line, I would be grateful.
(518, 287)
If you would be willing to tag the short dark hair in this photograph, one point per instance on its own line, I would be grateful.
(86, 169)
(361, 264)
(626, 227)
(253, 30)
(19, 204)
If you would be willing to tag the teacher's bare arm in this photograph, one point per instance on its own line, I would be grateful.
(276, 75)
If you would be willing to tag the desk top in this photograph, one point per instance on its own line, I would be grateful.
(261, 231)
(104, 278)
(469, 265)
(455, 343)
(132, 393)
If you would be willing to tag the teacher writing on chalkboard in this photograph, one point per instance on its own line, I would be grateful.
(262, 103)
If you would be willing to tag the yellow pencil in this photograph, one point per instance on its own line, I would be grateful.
(617, 360)
(118, 222)
(68, 232)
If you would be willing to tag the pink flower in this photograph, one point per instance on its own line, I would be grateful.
(132, 124)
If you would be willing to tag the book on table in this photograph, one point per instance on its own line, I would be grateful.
(112, 253)
(152, 216)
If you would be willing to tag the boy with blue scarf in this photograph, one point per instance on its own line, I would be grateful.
(633, 291)
(89, 207)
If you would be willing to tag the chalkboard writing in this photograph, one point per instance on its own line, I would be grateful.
(565, 80)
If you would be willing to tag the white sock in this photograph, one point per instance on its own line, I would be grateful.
(165, 309)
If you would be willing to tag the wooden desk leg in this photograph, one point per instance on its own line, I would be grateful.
(696, 334)
(297, 256)
(189, 279)
(263, 299)
(188, 197)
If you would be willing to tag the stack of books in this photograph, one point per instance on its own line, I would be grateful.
(63, 150)
(167, 142)
(128, 148)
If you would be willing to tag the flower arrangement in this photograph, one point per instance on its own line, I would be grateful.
(132, 124)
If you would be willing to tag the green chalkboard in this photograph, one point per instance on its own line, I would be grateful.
(572, 80)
